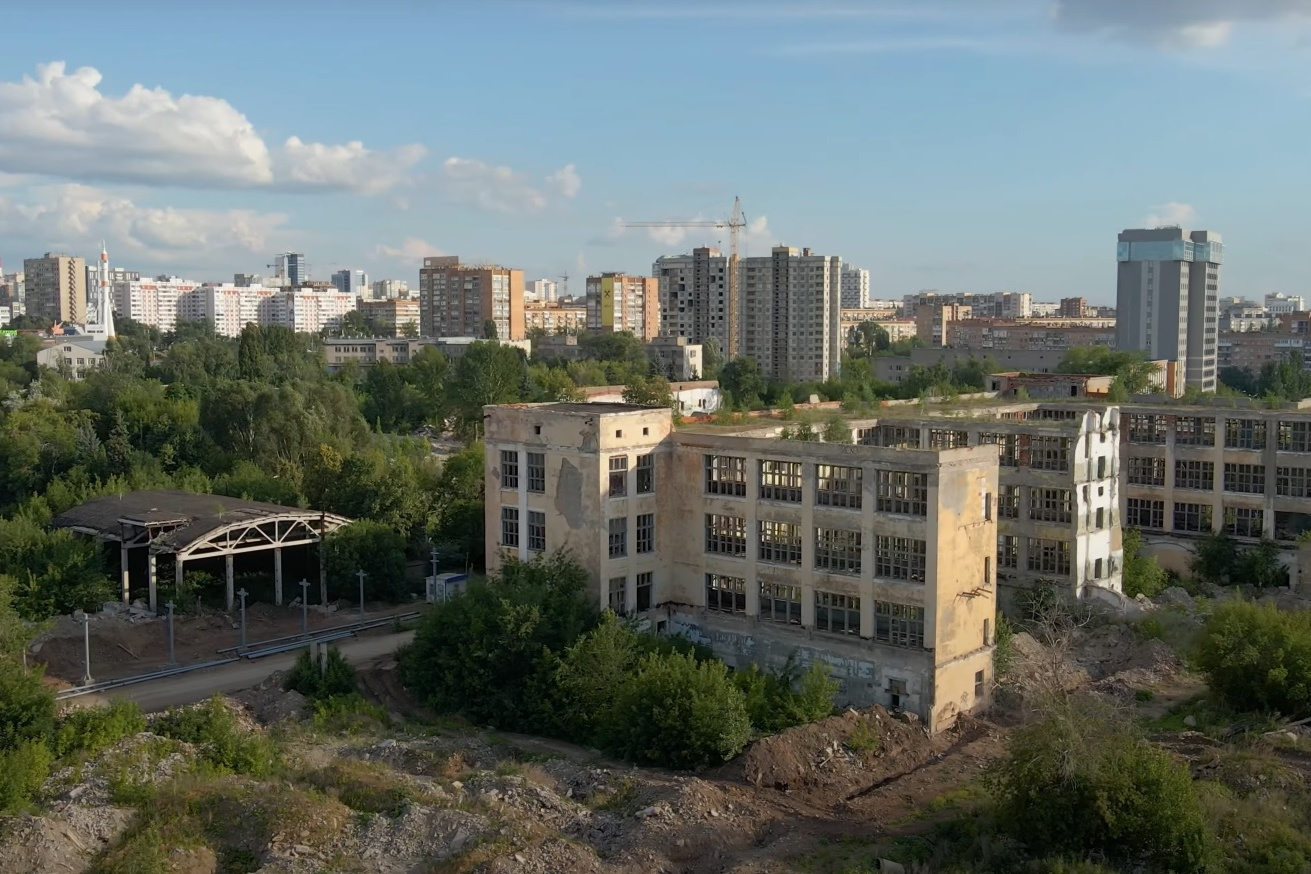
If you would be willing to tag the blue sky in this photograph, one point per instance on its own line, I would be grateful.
(967, 145)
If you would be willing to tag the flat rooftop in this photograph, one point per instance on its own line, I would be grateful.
(597, 407)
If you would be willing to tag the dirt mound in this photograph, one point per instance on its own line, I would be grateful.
(268, 702)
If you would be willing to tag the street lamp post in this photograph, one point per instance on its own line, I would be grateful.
(361, 574)
(85, 619)
(433, 556)
(172, 660)
(304, 608)
(242, 594)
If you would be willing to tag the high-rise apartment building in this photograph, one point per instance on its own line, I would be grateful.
(792, 314)
(618, 302)
(457, 300)
(354, 282)
(694, 296)
(541, 290)
(155, 302)
(391, 289)
(855, 287)
(290, 268)
(56, 289)
(1167, 294)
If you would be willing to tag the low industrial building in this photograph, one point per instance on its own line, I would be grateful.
(76, 355)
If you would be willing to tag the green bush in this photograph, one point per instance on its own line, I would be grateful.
(92, 729)
(1081, 780)
(336, 677)
(1143, 575)
(677, 712)
(1258, 658)
(223, 745)
(23, 770)
(776, 700)
(27, 707)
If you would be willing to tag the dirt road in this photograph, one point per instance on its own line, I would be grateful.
(198, 685)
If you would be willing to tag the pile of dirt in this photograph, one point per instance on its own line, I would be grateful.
(1112, 658)
(268, 702)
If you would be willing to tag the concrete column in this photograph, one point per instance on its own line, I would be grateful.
(277, 575)
(178, 570)
(124, 575)
(323, 574)
(230, 593)
(150, 578)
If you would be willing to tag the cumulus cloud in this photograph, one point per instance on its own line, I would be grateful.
(60, 124)
(504, 189)
(1173, 213)
(412, 248)
(755, 234)
(66, 216)
(1190, 24)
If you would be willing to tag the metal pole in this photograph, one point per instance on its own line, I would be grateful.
(361, 574)
(242, 594)
(171, 659)
(304, 607)
(433, 554)
(86, 642)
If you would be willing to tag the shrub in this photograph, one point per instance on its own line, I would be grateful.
(27, 707)
(587, 678)
(1258, 658)
(92, 729)
(781, 699)
(23, 770)
(1081, 780)
(677, 712)
(1143, 575)
(222, 742)
(335, 677)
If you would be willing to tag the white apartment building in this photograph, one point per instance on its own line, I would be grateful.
(693, 295)
(792, 314)
(1280, 304)
(155, 302)
(391, 289)
(541, 290)
(855, 287)
(231, 307)
(308, 311)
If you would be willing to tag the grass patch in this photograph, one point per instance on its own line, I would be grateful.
(864, 738)
(846, 855)
(349, 715)
(620, 797)
(473, 857)
(363, 786)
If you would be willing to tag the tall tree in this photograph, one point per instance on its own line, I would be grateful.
(487, 373)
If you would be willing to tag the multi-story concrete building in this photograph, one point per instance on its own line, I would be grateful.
(543, 290)
(76, 356)
(555, 317)
(694, 296)
(55, 288)
(1073, 307)
(391, 289)
(341, 351)
(1031, 334)
(855, 287)
(1167, 294)
(354, 282)
(395, 317)
(457, 300)
(792, 314)
(312, 311)
(998, 305)
(230, 308)
(290, 269)
(933, 323)
(1280, 304)
(618, 302)
(676, 358)
(155, 302)
(878, 563)
(1252, 350)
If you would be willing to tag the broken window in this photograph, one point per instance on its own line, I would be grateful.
(900, 558)
(780, 602)
(838, 614)
(726, 475)
(899, 624)
(780, 542)
(837, 551)
(838, 486)
(509, 468)
(903, 492)
(509, 526)
(726, 535)
(1198, 475)
(618, 476)
(780, 481)
(537, 472)
(726, 594)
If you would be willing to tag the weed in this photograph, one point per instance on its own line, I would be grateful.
(349, 714)
(330, 678)
(363, 786)
(617, 798)
(92, 729)
(224, 746)
(1144, 695)
(864, 738)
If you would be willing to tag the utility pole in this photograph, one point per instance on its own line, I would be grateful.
(304, 608)
(361, 574)
(85, 619)
(242, 594)
(433, 555)
(171, 659)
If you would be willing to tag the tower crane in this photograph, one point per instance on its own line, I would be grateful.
(564, 285)
(735, 222)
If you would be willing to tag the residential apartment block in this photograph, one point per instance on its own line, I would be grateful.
(231, 307)
(392, 317)
(155, 302)
(618, 302)
(457, 300)
(55, 288)
(998, 305)
(877, 562)
(554, 317)
(693, 292)
(792, 314)
(933, 322)
(339, 352)
(1032, 334)
(855, 287)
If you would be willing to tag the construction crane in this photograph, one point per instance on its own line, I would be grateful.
(564, 286)
(735, 222)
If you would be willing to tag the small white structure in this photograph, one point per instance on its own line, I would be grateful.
(80, 353)
(444, 587)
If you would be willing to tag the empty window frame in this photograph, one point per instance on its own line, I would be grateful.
(645, 474)
(945, 439)
(1293, 482)
(726, 535)
(1143, 513)
(1192, 517)
(1008, 446)
(837, 614)
(837, 486)
(1245, 478)
(1146, 428)
(780, 602)
(1194, 431)
(618, 476)
(1050, 453)
(1008, 501)
(780, 481)
(1051, 505)
(726, 594)
(645, 587)
(1146, 471)
(1244, 434)
(509, 526)
(509, 468)
(644, 538)
(837, 551)
(780, 542)
(897, 437)
(900, 558)
(618, 594)
(1049, 556)
(1008, 551)
(537, 472)
(1198, 475)
(536, 531)
(618, 537)
(898, 491)
(899, 624)
(1295, 436)
(1244, 521)
(726, 475)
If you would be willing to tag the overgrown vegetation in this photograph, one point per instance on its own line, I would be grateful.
(1143, 575)
(333, 677)
(1258, 658)
(1221, 561)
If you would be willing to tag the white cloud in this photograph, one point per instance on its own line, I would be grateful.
(68, 216)
(412, 249)
(350, 167)
(504, 189)
(755, 234)
(60, 124)
(1187, 24)
(1173, 213)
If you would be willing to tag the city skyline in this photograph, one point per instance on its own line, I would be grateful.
(996, 125)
